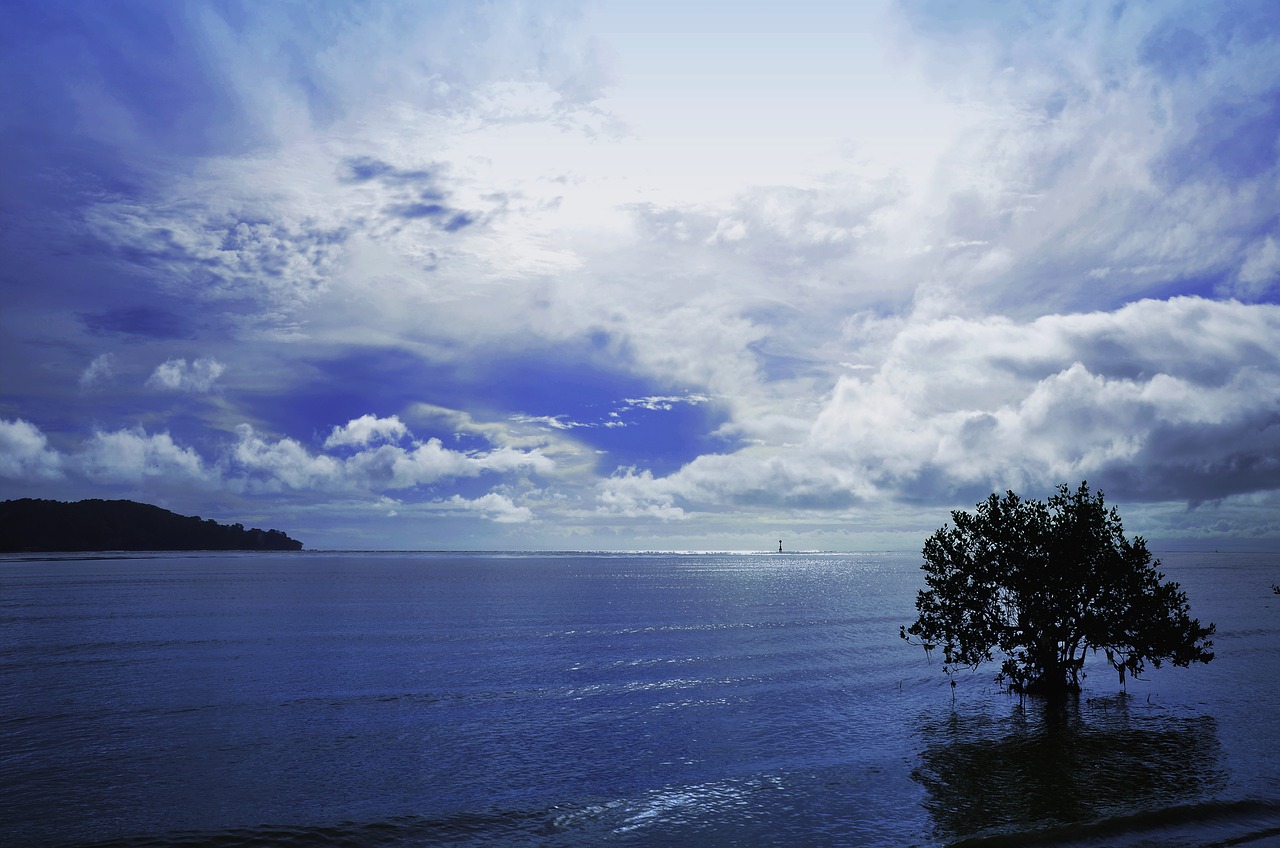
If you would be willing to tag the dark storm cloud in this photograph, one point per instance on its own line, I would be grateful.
(1199, 464)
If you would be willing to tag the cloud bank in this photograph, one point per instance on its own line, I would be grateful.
(576, 276)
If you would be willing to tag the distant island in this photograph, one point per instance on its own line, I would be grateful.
(31, 525)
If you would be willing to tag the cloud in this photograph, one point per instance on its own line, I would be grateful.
(1260, 271)
(133, 456)
(633, 493)
(1158, 401)
(210, 255)
(286, 464)
(247, 180)
(493, 506)
(100, 370)
(497, 433)
(656, 403)
(962, 250)
(175, 375)
(1106, 157)
(555, 422)
(750, 479)
(255, 463)
(991, 402)
(25, 453)
(366, 429)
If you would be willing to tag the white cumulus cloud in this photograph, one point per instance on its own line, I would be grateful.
(286, 463)
(493, 506)
(25, 452)
(1157, 401)
(175, 375)
(365, 430)
(133, 455)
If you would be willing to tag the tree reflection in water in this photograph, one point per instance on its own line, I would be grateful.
(1048, 765)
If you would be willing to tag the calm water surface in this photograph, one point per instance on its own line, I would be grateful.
(571, 699)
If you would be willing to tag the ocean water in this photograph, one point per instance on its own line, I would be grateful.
(344, 699)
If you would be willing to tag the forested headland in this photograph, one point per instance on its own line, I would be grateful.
(98, 525)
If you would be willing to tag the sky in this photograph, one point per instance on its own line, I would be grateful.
(657, 276)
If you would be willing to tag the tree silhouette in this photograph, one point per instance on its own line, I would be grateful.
(1042, 583)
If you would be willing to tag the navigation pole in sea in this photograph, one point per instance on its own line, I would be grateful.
(779, 546)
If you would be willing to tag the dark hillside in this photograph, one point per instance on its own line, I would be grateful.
(98, 525)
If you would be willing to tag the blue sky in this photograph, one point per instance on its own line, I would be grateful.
(664, 275)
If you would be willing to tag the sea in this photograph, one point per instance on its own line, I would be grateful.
(583, 699)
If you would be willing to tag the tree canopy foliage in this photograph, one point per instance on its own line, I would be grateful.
(98, 525)
(1041, 583)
